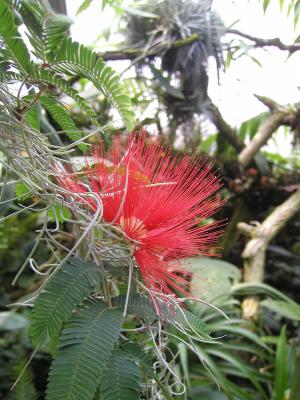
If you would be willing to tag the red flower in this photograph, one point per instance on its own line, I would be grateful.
(161, 204)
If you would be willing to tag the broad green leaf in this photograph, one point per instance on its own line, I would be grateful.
(212, 369)
(250, 126)
(206, 144)
(281, 366)
(85, 346)
(83, 6)
(68, 287)
(211, 279)
(285, 309)
(231, 328)
(295, 368)
(266, 4)
(259, 288)
(238, 363)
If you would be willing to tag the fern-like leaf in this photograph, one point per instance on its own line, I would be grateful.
(12, 38)
(46, 30)
(138, 305)
(144, 360)
(24, 389)
(61, 116)
(85, 346)
(32, 117)
(125, 375)
(50, 78)
(74, 281)
(75, 59)
(143, 307)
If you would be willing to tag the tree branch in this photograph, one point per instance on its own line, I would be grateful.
(265, 131)
(261, 235)
(224, 128)
(280, 115)
(132, 53)
(274, 42)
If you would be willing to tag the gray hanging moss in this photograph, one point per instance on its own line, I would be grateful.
(157, 27)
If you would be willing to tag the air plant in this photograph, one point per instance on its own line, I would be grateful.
(184, 33)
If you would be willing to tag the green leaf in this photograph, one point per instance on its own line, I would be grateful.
(60, 212)
(83, 6)
(121, 378)
(255, 60)
(295, 368)
(266, 4)
(259, 288)
(50, 78)
(211, 279)
(138, 305)
(283, 308)
(144, 359)
(281, 3)
(46, 30)
(239, 364)
(143, 307)
(60, 115)
(213, 369)
(12, 37)
(75, 59)
(22, 191)
(24, 389)
(67, 288)
(85, 346)
(231, 327)
(250, 126)
(281, 366)
(32, 117)
(206, 144)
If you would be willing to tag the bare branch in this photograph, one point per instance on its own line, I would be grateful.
(224, 128)
(280, 115)
(265, 131)
(274, 42)
(261, 235)
(132, 53)
(271, 104)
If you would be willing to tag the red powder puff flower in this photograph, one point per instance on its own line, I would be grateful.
(160, 202)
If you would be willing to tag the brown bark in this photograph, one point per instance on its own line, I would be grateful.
(261, 235)
(273, 42)
(265, 131)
